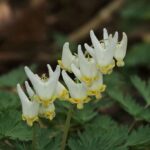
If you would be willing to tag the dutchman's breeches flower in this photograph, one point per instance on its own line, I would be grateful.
(29, 108)
(67, 58)
(102, 53)
(78, 92)
(120, 51)
(61, 91)
(45, 88)
(87, 71)
(97, 87)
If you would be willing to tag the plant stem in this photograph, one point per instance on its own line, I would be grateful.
(66, 128)
(132, 126)
(34, 142)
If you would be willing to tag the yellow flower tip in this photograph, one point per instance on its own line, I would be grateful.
(64, 95)
(87, 80)
(86, 100)
(79, 102)
(98, 96)
(107, 69)
(30, 120)
(49, 115)
(80, 106)
(120, 63)
(97, 92)
(74, 100)
(47, 102)
(102, 88)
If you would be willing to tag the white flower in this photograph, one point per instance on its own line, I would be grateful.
(97, 87)
(120, 50)
(103, 52)
(67, 58)
(47, 112)
(77, 91)
(29, 108)
(61, 91)
(87, 71)
(45, 88)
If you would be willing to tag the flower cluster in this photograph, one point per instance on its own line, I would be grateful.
(88, 68)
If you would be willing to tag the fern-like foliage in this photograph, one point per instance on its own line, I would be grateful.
(12, 127)
(142, 87)
(99, 136)
(139, 138)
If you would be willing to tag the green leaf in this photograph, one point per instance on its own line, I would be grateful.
(138, 55)
(142, 87)
(86, 114)
(12, 127)
(50, 138)
(100, 137)
(130, 105)
(139, 137)
(8, 100)
(12, 78)
(127, 102)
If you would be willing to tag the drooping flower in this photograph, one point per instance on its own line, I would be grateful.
(120, 50)
(67, 58)
(45, 88)
(61, 91)
(44, 111)
(87, 70)
(78, 92)
(29, 108)
(103, 52)
(97, 87)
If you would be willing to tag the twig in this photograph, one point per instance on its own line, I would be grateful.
(101, 17)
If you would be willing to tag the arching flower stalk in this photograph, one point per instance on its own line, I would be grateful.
(103, 56)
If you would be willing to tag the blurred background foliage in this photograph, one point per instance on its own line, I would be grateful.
(33, 32)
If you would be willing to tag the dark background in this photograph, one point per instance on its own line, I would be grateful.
(33, 31)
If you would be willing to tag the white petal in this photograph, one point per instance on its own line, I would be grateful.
(104, 58)
(30, 109)
(90, 50)
(60, 89)
(105, 36)
(87, 67)
(29, 89)
(97, 83)
(114, 41)
(95, 41)
(50, 71)
(30, 75)
(77, 90)
(76, 71)
(47, 89)
(67, 56)
(122, 47)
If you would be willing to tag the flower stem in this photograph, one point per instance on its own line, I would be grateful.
(66, 128)
(34, 142)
